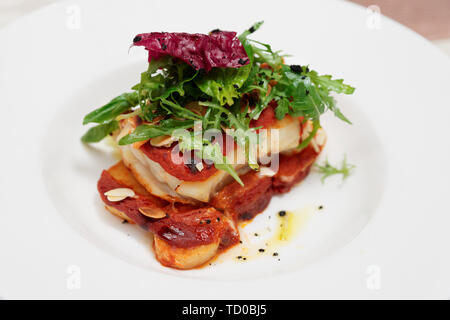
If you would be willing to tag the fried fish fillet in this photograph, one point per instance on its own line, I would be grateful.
(162, 184)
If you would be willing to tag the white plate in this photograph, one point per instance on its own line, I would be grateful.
(383, 233)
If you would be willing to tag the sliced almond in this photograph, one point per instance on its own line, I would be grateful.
(115, 199)
(163, 141)
(199, 166)
(119, 194)
(139, 144)
(307, 130)
(320, 137)
(155, 213)
(315, 146)
(266, 172)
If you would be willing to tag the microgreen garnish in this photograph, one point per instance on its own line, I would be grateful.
(327, 170)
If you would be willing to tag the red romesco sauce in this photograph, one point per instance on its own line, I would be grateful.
(266, 118)
(128, 206)
(193, 227)
(185, 226)
(175, 166)
(244, 203)
(293, 169)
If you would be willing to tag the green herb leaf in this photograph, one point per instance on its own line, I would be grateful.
(336, 85)
(328, 170)
(174, 108)
(116, 106)
(146, 131)
(232, 119)
(97, 133)
(282, 109)
(250, 30)
(305, 143)
(222, 84)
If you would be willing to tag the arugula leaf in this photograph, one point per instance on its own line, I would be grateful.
(174, 108)
(168, 81)
(147, 131)
(222, 84)
(161, 87)
(264, 54)
(233, 121)
(310, 93)
(97, 133)
(325, 81)
(328, 170)
(116, 106)
(228, 168)
(305, 143)
(282, 109)
(326, 85)
(250, 30)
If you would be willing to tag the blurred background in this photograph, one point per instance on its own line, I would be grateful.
(430, 18)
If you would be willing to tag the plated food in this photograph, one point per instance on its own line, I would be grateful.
(216, 127)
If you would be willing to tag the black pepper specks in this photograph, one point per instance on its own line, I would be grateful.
(192, 168)
(215, 31)
(320, 207)
(282, 213)
(124, 221)
(163, 46)
(296, 68)
(261, 250)
(275, 254)
(252, 29)
(137, 39)
(218, 219)
(256, 234)
(208, 221)
(307, 92)
(242, 61)
(235, 86)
